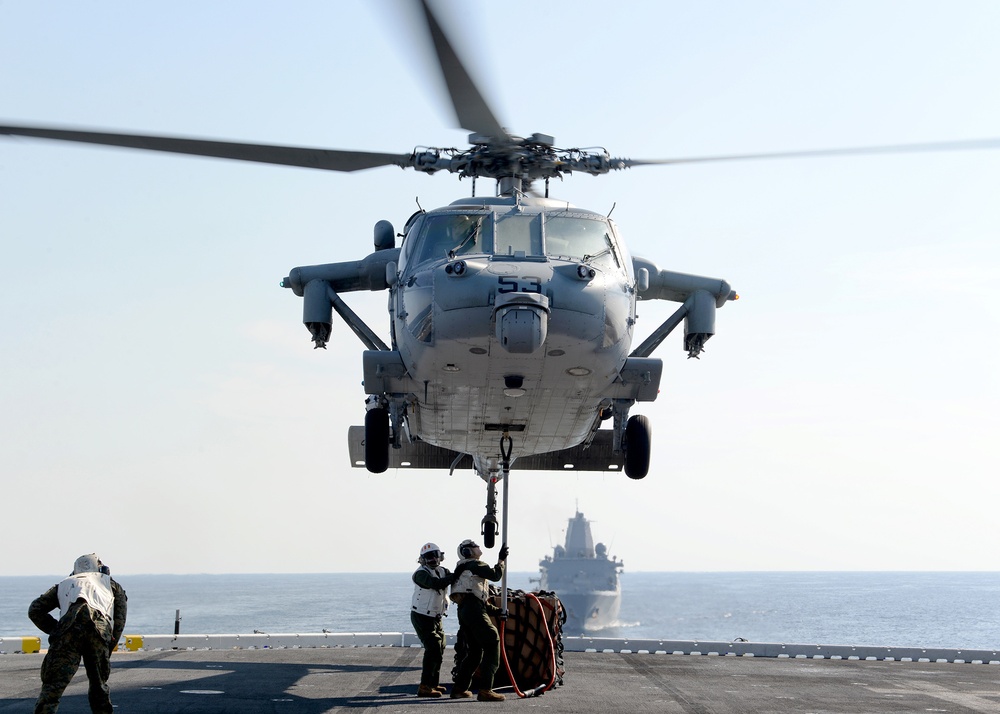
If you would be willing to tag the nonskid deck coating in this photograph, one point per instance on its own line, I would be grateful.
(314, 680)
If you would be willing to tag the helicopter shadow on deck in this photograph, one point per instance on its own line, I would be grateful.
(220, 683)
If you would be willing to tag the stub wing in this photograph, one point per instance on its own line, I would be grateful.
(599, 456)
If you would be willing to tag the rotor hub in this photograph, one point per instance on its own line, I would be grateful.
(530, 158)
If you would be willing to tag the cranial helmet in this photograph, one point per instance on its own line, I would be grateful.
(89, 563)
(430, 550)
(465, 548)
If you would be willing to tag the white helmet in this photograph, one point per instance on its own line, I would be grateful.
(430, 550)
(465, 548)
(89, 563)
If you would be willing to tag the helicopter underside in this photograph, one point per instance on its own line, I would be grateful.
(461, 395)
(549, 410)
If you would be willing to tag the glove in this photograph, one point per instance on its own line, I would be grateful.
(503, 553)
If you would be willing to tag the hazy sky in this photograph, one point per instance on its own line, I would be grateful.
(160, 401)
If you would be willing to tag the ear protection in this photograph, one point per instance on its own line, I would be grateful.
(465, 548)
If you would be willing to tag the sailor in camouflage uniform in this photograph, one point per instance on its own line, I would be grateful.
(471, 591)
(430, 604)
(92, 610)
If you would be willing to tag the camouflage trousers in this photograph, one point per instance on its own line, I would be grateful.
(431, 634)
(482, 642)
(62, 661)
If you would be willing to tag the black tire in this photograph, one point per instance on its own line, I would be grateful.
(377, 440)
(638, 440)
(489, 535)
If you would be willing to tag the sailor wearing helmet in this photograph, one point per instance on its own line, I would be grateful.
(430, 604)
(471, 591)
(92, 609)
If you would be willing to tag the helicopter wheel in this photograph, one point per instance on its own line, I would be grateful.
(377, 440)
(638, 439)
(489, 534)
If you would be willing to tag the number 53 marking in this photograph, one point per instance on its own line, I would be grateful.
(531, 284)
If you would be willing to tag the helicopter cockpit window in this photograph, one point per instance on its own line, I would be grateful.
(578, 238)
(445, 236)
(518, 236)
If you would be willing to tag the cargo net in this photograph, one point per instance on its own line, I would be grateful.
(532, 658)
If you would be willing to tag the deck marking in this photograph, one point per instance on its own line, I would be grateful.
(638, 663)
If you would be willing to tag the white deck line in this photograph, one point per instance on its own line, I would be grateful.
(570, 644)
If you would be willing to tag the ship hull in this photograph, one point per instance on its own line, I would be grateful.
(590, 611)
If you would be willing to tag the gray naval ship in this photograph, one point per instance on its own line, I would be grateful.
(584, 578)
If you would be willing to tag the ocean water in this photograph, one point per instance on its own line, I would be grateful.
(956, 610)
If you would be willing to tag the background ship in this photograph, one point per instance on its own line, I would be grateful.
(584, 578)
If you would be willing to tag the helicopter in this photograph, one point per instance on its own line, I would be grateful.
(511, 316)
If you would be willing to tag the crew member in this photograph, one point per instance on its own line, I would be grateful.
(471, 592)
(430, 604)
(92, 609)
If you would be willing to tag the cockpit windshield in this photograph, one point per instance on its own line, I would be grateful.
(445, 236)
(513, 235)
(518, 236)
(579, 238)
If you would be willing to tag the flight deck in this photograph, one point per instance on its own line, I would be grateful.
(697, 679)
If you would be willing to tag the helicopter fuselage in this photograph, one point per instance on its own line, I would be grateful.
(511, 316)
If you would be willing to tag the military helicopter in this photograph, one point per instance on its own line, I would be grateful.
(511, 315)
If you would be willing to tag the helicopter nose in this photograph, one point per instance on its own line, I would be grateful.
(522, 329)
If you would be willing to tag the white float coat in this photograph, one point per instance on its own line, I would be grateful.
(94, 588)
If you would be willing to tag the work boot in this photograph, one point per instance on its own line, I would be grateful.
(424, 691)
(441, 688)
(488, 695)
(455, 694)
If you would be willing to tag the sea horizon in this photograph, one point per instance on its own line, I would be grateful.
(950, 609)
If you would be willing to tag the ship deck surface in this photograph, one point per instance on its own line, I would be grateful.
(313, 680)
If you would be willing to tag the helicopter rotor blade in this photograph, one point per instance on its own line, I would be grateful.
(992, 143)
(471, 108)
(325, 159)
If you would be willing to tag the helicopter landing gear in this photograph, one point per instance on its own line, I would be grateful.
(637, 442)
(377, 440)
(489, 522)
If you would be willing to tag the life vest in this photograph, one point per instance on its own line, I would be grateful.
(94, 588)
(467, 583)
(428, 601)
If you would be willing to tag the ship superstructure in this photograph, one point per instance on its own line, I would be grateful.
(584, 578)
